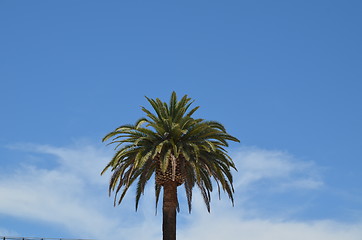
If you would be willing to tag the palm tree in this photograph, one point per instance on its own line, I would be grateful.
(175, 148)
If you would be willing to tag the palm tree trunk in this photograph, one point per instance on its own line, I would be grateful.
(169, 210)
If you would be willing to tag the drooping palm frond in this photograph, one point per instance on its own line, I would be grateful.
(172, 146)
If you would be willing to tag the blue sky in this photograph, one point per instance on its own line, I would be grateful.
(282, 76)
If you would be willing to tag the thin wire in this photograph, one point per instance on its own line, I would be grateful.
(37, 238)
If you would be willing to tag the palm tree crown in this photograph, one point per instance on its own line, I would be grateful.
(175, 148)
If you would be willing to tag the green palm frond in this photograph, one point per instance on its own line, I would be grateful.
(169, 139)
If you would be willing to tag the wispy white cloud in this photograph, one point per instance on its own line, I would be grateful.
(231, 227)
(6, 232)
(276, 167)
(72, 195)
(56, 196)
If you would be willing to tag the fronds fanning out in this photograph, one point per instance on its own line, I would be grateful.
(171, 145)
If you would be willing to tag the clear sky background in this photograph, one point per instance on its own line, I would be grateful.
(285, 77)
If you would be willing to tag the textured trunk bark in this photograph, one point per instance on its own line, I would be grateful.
(169, 210)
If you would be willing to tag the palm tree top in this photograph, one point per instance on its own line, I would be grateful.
(171, 145)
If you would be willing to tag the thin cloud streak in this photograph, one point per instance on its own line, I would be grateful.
(5, 232)
(257, 165)
(231, 227)
(71, 194)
